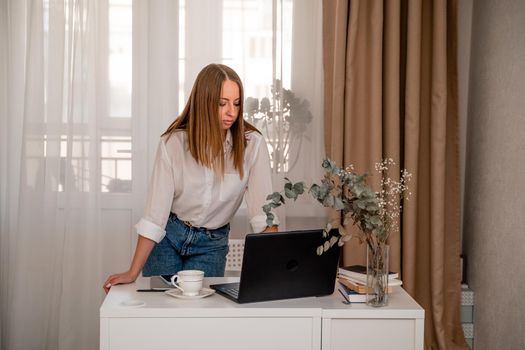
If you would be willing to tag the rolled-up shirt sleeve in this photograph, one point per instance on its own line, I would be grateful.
(160, 197)
(259, 187)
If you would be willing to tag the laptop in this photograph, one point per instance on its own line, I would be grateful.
(283, 265)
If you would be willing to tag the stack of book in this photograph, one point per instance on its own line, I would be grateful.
(353, 277)
(351, 295)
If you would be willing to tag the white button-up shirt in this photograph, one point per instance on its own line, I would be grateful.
(196, 194)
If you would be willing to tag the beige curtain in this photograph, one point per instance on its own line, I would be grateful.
(390, 91)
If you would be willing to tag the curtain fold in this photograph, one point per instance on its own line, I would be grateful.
(390, 92)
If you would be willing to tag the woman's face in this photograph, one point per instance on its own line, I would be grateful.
(229, 104)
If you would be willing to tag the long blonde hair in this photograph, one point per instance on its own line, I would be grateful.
(200, 119)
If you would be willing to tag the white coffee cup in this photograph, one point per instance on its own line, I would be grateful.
(188, 281)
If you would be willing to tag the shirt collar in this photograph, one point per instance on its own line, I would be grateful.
(228, 143)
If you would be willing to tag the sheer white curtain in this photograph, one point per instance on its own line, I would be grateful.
(86, 88)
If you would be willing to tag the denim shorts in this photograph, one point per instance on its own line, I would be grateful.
(189, 248)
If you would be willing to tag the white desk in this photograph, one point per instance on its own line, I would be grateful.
(215, 322)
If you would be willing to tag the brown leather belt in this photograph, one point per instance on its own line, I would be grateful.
(187, 223)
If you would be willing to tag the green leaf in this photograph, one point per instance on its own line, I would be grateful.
(288, 186)
(323, 191)
(276, 197)
(339, 205)
(329, 201)
(289, 193)
(358, 190)
(267, 208)
(368, 193)
(330, 166)
(372, 206)
(361, 204)
(376, 220)
(299, 187)
(314, 190)
(269, 219)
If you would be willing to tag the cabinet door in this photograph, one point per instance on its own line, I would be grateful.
(391, 334)
(214, 333)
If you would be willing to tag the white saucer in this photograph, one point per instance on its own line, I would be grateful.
(177, 293)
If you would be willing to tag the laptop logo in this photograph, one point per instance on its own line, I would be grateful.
(292, 265)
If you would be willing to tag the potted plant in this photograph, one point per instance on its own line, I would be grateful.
(375, 213)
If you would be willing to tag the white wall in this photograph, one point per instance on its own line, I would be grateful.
(494, 205)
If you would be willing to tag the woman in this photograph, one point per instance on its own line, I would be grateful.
(206, 161)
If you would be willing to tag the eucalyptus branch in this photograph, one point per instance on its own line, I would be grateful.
(374, 213)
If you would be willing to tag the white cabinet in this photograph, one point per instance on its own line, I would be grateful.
(398, 326)
(216, 322)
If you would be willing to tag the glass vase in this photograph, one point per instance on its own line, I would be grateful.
(377, 275)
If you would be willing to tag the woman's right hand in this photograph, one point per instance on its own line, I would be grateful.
(119, 278)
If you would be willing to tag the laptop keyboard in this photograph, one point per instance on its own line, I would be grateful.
(232, 289)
